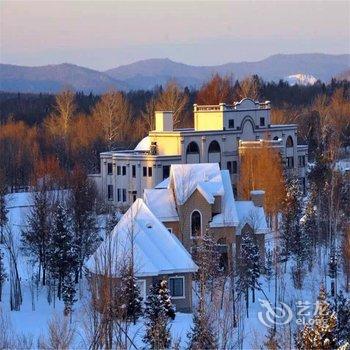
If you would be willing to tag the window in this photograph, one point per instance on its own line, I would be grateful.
(290, 162)
(133, 170)
(301, 161)
(134, 196)
(166, 171)
(289, 142)
(234, 167)
(118, 170)
(231, 123)
(192, 148)
(119, 197)
(262, 121)
(229, 167)
(109, 168)
(196, 223)
(150, 171)
(176, 287)
(170, 229)
(124, 170)
(124, 195)
(110, 192)
(144, 171)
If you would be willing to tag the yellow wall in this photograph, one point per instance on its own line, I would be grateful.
(167, 145)
(209, 120)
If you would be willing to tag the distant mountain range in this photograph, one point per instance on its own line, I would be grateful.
(148, 73)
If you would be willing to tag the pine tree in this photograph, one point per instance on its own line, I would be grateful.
(62, 258)
(157, 317)
(165, 298)
(322, 333)
(248, 266)
(131, 296)
(2, 272)
(201, 335)
(68, 294)
(36, 237)
(343, 319)
(81, 203)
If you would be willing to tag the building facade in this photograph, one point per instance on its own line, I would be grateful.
(219, 132)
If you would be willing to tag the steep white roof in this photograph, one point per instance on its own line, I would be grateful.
(162, 204)
(163, 184)
(228, 215)
(156, 250)
(254, 216)
(186, 178)
(144, 144)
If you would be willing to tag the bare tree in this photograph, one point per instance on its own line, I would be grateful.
(112, 113)
(173, 99)
(249, 88)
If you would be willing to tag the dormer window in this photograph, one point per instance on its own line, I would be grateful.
(231, 123)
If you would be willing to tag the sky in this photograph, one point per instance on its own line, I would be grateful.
(103, 35)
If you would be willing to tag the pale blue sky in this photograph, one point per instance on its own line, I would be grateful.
(103, 35)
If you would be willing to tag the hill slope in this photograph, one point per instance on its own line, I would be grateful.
(53, 78)
(148, 73)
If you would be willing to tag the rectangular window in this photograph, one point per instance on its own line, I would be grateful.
(234, 167)
(133, 170)
(144, 171)
(110, 192)
(149, 171)
(118, 170)
(301, 161)
(290, 162)
(109, 168)
(166, 171)
(124, 170)
(229, 167)
(231, 123)
(262, 121)
(176, 287)
(124, 195)
(119, 197)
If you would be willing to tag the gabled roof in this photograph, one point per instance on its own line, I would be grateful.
(186, 178)
(156, 250)
(162, 204)
(253, 215)
(228, 215)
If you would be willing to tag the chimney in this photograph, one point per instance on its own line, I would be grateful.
(257, 197)
(164, 121)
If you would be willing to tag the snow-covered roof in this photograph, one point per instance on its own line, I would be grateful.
(144, 144)
(163, 184)
(162, 204)
(156, 250)
(253, 215)
(186, 178)
(228, 215)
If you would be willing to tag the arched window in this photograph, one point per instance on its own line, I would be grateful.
(214, 147)
(196, 223)
(289, 142)
(214, 153)
(192, 153)
(192, 148)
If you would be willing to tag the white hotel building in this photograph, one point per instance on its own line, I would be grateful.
(218, 134)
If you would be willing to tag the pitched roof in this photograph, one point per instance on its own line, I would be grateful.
(186, 178)
(253, 215)
(162, 204)
(156, 250)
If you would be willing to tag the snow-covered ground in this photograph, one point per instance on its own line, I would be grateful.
(35, 313)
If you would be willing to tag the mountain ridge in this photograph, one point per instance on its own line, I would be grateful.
(145, 74)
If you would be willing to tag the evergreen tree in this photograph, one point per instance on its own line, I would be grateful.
(81, 203)
(165, 298)
(2, 272)
(248, 266)
(322, 333)
(68, 293)
(131, 296)
(343, 319)
(157, 317)
(201, 335)
(36, 237)
(62, 258)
